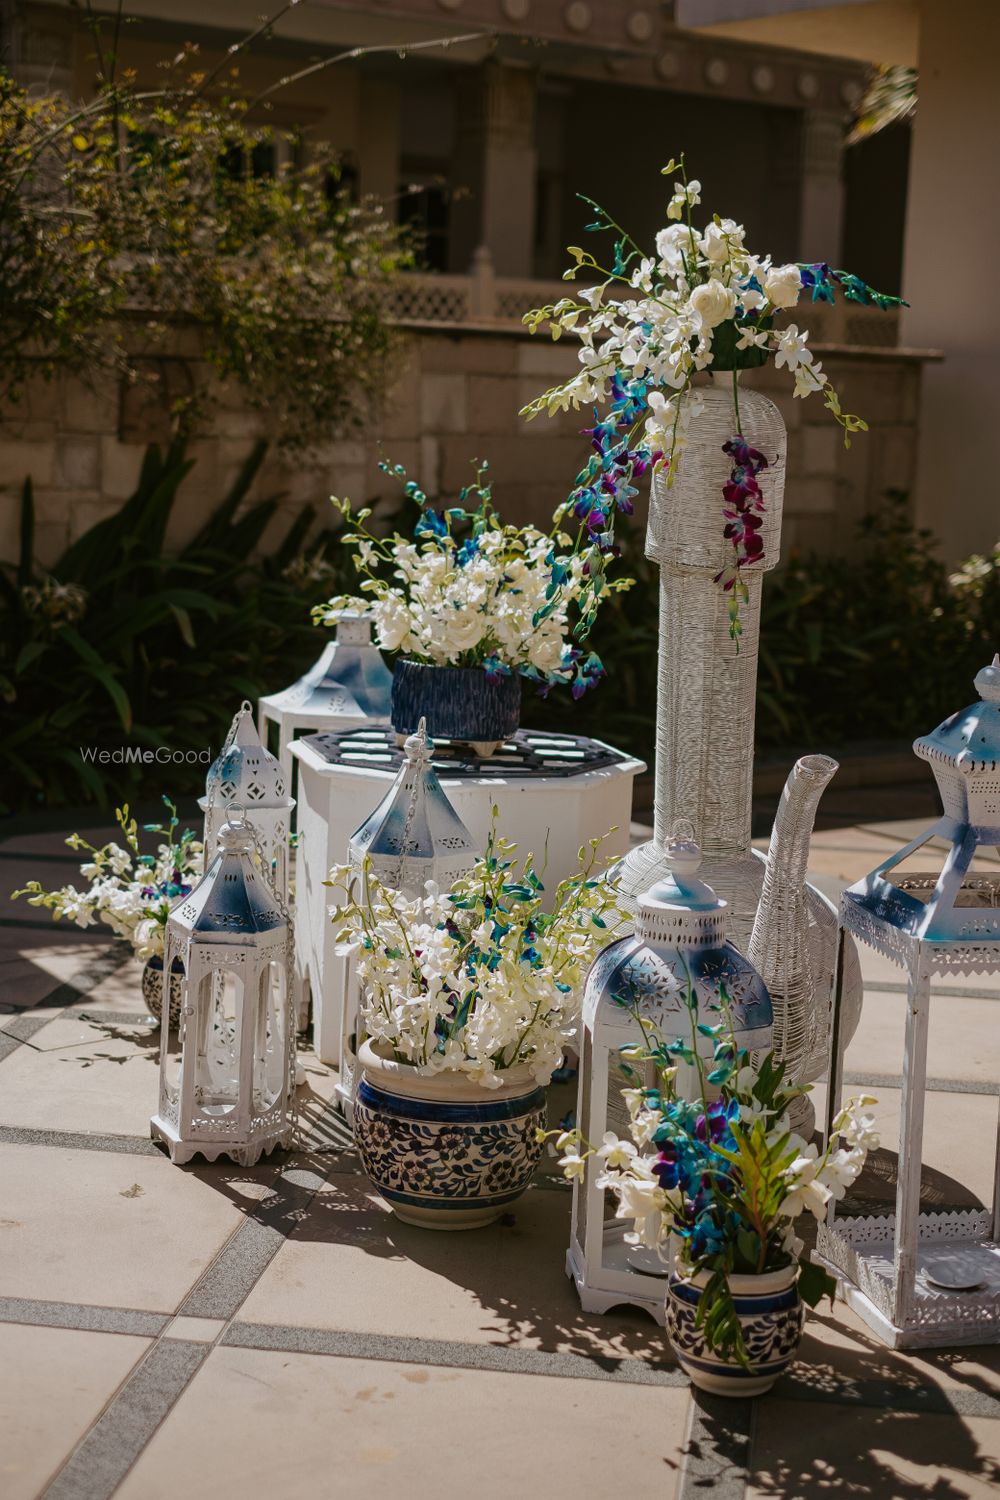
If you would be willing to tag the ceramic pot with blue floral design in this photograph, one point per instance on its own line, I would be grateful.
(458, 703)
(443, 1151)
(152, 988)
(771, 1315)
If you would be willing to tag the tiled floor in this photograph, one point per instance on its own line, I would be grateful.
(170, 1331)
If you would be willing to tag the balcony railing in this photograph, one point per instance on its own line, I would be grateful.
(481, 298)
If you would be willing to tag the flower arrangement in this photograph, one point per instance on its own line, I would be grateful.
(701, 301)
(477, 979)
(472, 592)
(131, 892)
(722, 1174)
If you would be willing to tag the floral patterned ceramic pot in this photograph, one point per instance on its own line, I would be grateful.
(771, 1315)
(152, 989)
(458, 703)
(442, 1150)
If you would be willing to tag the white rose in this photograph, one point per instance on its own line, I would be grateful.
(715, 244)
(783, 285)
(670, 242)
(714, 302)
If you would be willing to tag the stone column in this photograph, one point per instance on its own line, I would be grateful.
(821, 213)
(952, 227)
(495, 168)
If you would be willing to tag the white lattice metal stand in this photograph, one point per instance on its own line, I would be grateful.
(888, 1265)
(926, 1279)
(553, 793)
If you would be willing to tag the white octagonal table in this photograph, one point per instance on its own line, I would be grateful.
(553, 793)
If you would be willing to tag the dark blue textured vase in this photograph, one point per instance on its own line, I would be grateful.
(459, 703)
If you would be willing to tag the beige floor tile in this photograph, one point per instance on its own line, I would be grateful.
(353, 1265)
(122, 990)
(841, 1352)
(70, 1032)
(63, 951)
(113, 1230)
(958, 1150)
(53, 1384)
(962, 1041)
(107, 1086)
(302, 1426)
(803, 1450)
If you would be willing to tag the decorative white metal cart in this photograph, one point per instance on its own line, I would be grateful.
(928, 1279)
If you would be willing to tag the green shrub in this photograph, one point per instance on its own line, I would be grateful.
(878, 646)
(125, 644)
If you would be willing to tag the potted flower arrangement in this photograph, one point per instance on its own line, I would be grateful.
(714, 1184)
(469, 998)
(473, 606)
(132, 893)
(699, 301)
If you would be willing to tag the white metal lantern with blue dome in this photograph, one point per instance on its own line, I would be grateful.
(678, 949)
(227, 1075)
(245, 774)
(349, 682)
(413, 836)
(925, 1279)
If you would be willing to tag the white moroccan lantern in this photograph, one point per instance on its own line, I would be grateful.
(349, 682)
(414, 835)
(679, 941)
(927, 1279)
(245, 774)
(227, 1076)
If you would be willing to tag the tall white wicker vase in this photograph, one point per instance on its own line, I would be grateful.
(706, 695)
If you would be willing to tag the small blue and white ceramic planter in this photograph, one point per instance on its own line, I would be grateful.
(771, 1315)
(458, 703)
(443, 1151)
(152, 988)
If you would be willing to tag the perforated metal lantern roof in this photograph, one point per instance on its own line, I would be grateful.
(415, 834)
(679, 941)
(232, 901)
(964, 754)
(349, 679)
(244, 772)
(954, 910)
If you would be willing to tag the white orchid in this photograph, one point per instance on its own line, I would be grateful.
(128, 892)
(479, 978)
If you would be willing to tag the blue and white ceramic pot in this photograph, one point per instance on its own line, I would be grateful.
(459, 703)
(771, 1315)
(443, 1151)
(152, 989)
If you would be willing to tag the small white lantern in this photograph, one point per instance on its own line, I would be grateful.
(679, 942)
(227, 1076)
(926, 1279)
(414, 835)
(245, 774)
(350, 681)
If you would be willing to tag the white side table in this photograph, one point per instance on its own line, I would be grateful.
(553, 793)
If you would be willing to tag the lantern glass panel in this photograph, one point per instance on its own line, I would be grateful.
(171, 1045)
(220, 1008)
(271, 1041)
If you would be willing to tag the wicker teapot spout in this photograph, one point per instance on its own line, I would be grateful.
(779, 945)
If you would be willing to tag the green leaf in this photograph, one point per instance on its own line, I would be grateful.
(815, 1283)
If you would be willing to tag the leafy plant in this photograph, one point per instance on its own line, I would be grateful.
(124, 647)
(143, 208)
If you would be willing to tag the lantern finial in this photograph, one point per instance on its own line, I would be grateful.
(419, 746)
(988, 681)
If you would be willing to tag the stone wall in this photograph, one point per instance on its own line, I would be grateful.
(454, 397)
